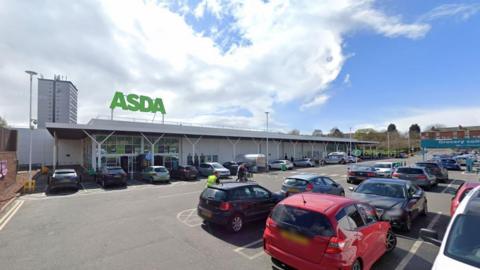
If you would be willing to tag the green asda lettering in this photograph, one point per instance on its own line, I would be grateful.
(134, 103)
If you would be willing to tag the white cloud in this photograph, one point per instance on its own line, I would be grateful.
(462, 11)
(294, 54)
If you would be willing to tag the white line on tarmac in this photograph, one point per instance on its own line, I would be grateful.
(10, 214)
(445, 189)
(417, 244)
(179, 194)
(334, 175)
(83, 187)
(254, 256)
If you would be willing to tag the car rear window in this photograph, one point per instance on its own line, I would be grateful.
(427, 165)
(295, 182)
(383, 166)
(410, 170)
(214, 194)
(64, 172)
(161, 170)
(115, 170)
(307, 222)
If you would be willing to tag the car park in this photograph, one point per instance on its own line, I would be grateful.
(278, 164)
(207, 169)
(156, 174)
(440, 172)
(385, 169)
(232, 166)
(460, 247)
(316, 231)
(311, 183)
(336, 158)
(112, 176)
(304, 162)
(188, 172)
(359, 173)
(462, 191)
(232, 204)
(421, 176)
(398, 201)
(63, 178)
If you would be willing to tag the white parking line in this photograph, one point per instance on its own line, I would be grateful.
(83, 187)
(254, 256)
(8, 216)
(445, 189)
(186, 218)
(333, 175)
(417, 244)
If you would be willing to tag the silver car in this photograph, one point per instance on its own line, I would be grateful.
(277, 164)
(311, 183)
(336, 158)
(420, 176)
(63, 178)
(304, 162)
(208, 168)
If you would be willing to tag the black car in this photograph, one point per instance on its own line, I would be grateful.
(63, 178)
(436, 168)
(398, 201)
(188, 172)
(232, 204)
(357, 174)
(112, 176)
(232, 166)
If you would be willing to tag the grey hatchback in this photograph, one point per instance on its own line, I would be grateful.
(311, 182)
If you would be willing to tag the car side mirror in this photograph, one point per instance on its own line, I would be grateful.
(417, 196)
(351, 189)
(430, 236)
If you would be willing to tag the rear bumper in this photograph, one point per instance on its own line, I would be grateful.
(221, 218)
(357, 178)
(161, 178)
(71, 184)
(115, 181)
(427, 183)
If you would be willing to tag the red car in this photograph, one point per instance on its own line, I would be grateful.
(317, 231)
(462, 190)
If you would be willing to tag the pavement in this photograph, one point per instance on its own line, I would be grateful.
(148, 226)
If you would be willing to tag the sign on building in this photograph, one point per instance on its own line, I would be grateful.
(451, 143)
(134, 103)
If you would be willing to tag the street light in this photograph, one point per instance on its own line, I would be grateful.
(30, 123)
(350, 151)
(266, 114)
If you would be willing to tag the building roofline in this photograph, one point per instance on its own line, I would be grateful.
(65, 81)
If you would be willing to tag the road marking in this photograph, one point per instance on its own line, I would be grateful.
(83, 187)
(8, 216)
(334, 175)
(185, 217)
(179, 194)
(449, 185)
(251, 257)
(417, 244)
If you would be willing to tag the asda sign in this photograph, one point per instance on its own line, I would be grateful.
(134, 103)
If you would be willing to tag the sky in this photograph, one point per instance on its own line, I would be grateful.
(311, 64)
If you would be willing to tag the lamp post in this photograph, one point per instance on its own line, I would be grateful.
(266, 133)
(30, 123)
(350, 151)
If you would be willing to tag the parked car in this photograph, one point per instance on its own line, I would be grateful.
(311, 183)
(255, 162)
(436, 168)
(385, 169)
(357, 174)
(277, 164)
(353, 159)
(156, 174)
(398, 201)
(63, 178)
(462, 191)
(112, 176)
(233, 204)
(336, 158)
(421, 176)
(304, 162)
(232, 166)
(188, 172)
(460, 246)
(450, 164)
(207, 169)
(317, 231)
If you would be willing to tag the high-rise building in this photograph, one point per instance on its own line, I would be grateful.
(57, 101)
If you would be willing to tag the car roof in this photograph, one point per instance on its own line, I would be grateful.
(323, 203)
(306, 177)
(387, 180)
(156, 166)
(233, 184)
(471, 184)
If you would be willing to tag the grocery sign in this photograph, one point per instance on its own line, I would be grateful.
(134, 102)
(451, 143)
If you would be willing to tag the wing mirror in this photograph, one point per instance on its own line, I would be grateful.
(351, 189)
(430, 236)
(417, 196)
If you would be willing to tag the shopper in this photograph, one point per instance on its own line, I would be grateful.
(242, 173)
(213, 180)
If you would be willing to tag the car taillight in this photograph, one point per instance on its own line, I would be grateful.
(335, 246)
(421, 177)
(371, 174)
(271, 223)
(351, 173)
(395, 175)
(225, 206)
(309, 187)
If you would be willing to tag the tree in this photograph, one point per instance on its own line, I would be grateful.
(294, 132)
(414, 129)
(392, 128)
(335, 132)
(317, 132)
(3, 122)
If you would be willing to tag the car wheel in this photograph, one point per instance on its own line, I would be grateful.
(236, 223)
(390, 241)
(425, 209)
(407, 225)
(357, 265)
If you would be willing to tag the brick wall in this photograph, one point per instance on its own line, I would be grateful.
(10, 184)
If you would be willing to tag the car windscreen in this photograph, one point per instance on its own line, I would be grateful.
(362, 168)
(410, 170)
(214, 194)
(382, 189)
(217, 166)
(305, 221)
(335, 156)
(383, 166)
(463, 243)
(115, 170)
(161, 169)
(295, 182)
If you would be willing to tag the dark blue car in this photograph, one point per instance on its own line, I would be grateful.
(450, 164)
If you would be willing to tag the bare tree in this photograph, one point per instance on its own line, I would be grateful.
(317, 132)
(335, 132)
(294, 132)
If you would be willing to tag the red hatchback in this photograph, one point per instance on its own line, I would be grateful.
(317, 231)
(462, 191)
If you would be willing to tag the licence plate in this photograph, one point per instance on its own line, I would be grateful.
(293, 190)
(206, 213)
(117, 176)
(294, 238)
